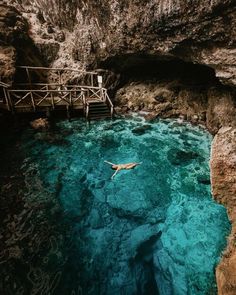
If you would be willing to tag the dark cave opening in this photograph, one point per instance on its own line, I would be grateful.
(147, 67)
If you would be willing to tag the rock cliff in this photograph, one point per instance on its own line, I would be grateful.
(223, 179)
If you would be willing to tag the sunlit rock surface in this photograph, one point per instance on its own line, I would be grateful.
(223, 176)
(151, 230)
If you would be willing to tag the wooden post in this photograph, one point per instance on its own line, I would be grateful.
(11, 104)
(87, 110)
(52, 100)
(83, 100)
(32, 100)
(59, 73)
(70, 95)
(6, 98)
(29, 78)
(68, 112)
(112, 111)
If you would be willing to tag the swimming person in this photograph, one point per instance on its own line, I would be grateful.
(119, 167)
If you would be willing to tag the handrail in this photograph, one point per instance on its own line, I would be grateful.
(56, 69)
(44, 90)
(110, 103)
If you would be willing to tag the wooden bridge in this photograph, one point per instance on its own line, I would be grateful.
(86, 94)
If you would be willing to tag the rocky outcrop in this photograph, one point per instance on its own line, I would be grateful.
(223, 179)
(40, 124)
(211, 106)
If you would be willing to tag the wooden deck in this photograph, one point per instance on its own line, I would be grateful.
(33, 97)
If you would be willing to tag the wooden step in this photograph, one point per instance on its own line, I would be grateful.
(99, 117)
(99, 111)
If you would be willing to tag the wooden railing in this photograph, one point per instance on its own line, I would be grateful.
(35, 96)
(90, 77)
(45, 97)
(53, 95)
(108, 101)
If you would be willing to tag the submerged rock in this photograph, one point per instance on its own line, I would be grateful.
(141, 130)
(181, 157)
(40, 124)
(204, 179)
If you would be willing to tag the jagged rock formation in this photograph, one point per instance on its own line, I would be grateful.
(213, 107)
(197, 31)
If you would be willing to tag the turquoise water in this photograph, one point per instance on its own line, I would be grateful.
(151, 230)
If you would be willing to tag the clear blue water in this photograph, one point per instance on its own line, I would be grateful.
(151, 230)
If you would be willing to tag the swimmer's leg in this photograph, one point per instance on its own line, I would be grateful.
(115, 173)
(109, 163)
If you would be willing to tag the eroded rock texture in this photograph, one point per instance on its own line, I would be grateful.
(15, 45)
(12, 28)
(223, 178)
(90, 31)
(211, 106)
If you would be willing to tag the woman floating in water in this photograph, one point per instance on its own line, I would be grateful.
(119, 167)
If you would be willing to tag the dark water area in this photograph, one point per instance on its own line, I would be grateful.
(151, 230)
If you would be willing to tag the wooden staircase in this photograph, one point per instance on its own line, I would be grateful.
(98, 110)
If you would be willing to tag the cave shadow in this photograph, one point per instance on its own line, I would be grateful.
(138, 67)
